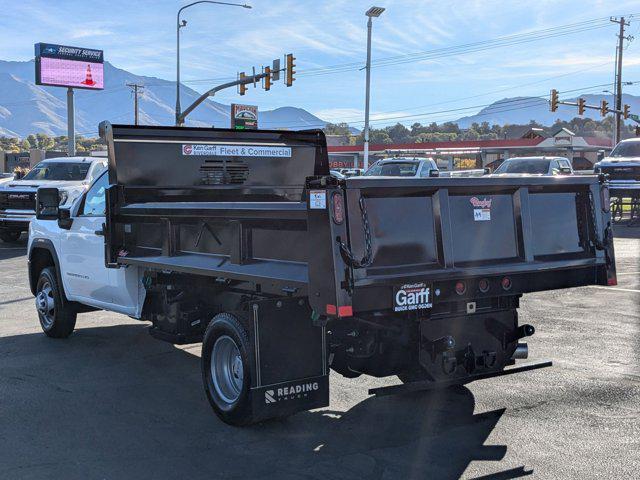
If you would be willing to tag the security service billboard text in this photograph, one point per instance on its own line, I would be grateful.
(64, 66)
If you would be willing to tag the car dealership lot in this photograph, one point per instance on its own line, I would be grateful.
(112, 402)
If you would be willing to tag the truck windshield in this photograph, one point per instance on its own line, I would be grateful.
(395, 169)
(626, 149)
(524, 166)
(58, 171)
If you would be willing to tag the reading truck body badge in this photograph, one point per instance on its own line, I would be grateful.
(414, 296)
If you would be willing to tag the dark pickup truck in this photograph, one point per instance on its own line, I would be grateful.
(243, 241)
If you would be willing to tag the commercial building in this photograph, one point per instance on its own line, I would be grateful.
(582, 151)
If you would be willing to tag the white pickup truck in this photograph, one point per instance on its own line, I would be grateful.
(71, 175)
(623, 168)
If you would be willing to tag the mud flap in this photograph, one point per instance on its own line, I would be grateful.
(290, 363)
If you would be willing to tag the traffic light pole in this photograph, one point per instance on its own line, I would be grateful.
(243, 80)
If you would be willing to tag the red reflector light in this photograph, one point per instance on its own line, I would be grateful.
(346, 311)
(337, 202)
(331, 310)
(483, 285)
(461, 287)
(506, 283)
(612, 281)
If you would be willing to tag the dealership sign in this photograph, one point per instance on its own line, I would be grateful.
(244, 117)
(64, 66)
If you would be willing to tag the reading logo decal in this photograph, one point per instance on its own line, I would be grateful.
(292, 392)
(481, 209)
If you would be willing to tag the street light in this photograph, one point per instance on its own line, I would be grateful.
(372, 12)
(179, 25)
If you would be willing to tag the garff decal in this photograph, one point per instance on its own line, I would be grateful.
(481, 209)
(413, 296)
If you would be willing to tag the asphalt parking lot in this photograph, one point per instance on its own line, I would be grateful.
(113, 403)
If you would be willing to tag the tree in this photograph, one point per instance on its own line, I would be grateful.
(337, 129)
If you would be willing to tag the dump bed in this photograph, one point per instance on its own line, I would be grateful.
(258, 211)
(539, 232)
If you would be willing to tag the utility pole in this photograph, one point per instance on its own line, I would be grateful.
(618, 85)
(135, 88)
(371, 13)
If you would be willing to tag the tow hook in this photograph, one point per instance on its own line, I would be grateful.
(449, 363)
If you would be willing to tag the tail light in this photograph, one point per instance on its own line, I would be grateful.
(483, 285)
(461, 287)
(606, 199)
(337, 207)
(506, 283)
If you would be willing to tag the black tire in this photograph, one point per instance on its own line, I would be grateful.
(231, 410)
(57, 316)
(9, 236)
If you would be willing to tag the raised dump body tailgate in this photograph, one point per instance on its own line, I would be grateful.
(520, 234)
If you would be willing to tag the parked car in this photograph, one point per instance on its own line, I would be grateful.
(623, 168)
(419, 167)
(71, 175)
(547, 166)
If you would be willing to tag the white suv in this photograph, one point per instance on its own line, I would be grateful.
(71, 175)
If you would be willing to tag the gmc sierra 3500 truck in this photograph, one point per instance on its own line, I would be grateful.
(243, 241)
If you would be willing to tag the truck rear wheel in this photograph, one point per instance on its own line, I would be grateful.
(227, 369)
(57, 317)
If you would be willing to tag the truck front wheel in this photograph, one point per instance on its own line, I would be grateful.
(57, 317)
(226, 369)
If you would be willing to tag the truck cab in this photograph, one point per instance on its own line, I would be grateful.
(622, 167)
(71, 175)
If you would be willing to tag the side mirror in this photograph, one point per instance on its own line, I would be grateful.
(486, 171)
(47, 203)
(434, 172)
(564, 171)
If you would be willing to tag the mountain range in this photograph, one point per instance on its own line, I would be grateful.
(27, 108)
(521, 110)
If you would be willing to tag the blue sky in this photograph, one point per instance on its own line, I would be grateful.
(139, 36)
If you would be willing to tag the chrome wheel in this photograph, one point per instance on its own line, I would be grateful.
(46, 306)
(227, 370)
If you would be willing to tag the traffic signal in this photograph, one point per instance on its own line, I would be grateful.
(554, 100)
(267, 78)
(625, 112)
(290, 71)
(242, 88)
(604, 108)
(581, 103)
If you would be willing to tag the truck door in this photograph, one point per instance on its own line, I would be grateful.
(85, 276)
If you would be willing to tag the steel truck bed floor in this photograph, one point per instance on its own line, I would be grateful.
(292, 273)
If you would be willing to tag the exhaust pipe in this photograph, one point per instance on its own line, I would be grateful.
(521, 352)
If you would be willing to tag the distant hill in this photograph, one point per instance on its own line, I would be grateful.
(521, 110)
(27, 108)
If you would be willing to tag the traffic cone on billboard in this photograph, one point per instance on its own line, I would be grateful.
(89, 79)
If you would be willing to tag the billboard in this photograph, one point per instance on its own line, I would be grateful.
(64, 66)
(244, 117)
